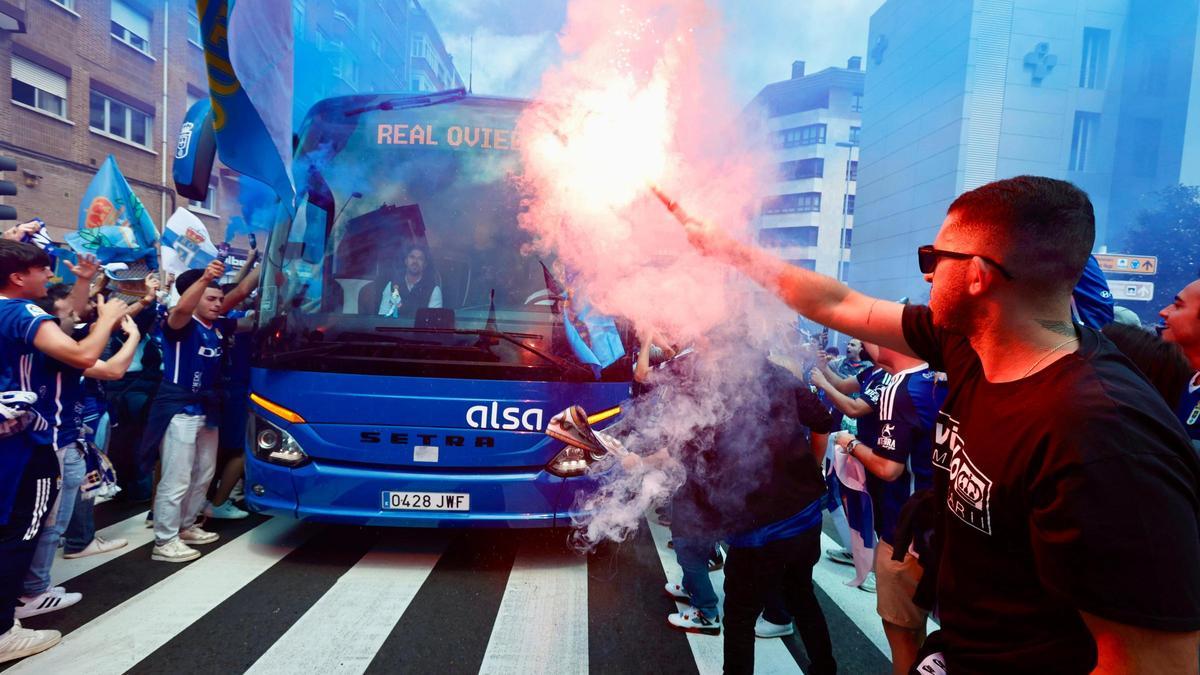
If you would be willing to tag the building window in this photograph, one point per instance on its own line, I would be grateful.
(776, 237)
(812, 134)
(1094, 62)
(209, 205)
(1155, 72)
(1083, 136)
(845, 270)
(854, 131)
(847, 237)
(1148, 135)
(120, 120)
(796, 202)
(848, 205)
(852, 169)
(130, 26)
(39, 87)
(194, 34)
(807, 263)
(856, 102)
(802, 168)
(69, 4)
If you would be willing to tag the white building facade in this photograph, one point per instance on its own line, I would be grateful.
(813, 123)
(960, 93)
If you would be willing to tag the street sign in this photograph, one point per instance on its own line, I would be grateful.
(1131, 290)
(1127, 263)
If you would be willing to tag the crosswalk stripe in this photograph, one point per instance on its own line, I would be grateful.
(770, 656)
(133, 529)
(120, 638)
(542, 623)
(343, 630)
(857, 605)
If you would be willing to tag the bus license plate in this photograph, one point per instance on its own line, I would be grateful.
(426, 501)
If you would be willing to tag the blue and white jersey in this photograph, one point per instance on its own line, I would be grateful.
(1189, 409)
(19, 323)
(60, 392)
(908, 408)
(871, 385)
(192, 357)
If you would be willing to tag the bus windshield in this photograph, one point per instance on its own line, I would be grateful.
(405, 257)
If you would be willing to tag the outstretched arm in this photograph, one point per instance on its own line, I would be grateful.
(820, 298)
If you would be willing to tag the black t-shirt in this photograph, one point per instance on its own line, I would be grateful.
(1074, 489)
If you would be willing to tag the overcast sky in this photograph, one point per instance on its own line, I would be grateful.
(515, 41)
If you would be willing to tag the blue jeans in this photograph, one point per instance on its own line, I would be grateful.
(37, 579)
(692, 556)
(82, 529)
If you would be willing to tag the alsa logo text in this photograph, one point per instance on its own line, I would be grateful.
(492, 416)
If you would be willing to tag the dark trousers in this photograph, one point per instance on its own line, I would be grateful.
(18, 537)
(751, 575)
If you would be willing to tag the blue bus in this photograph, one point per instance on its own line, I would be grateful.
(411, 346)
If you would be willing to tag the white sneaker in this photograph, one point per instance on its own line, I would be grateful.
(868, 584)
(238, 493)
(194, 535)
(840, 556)
(20, 642)
(96, 546)
(766, 629)
(226, 511)
(45, 602)
(174, 551)
(692, 620)
(676, 591)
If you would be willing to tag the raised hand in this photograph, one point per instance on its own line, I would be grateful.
(214, 271)
(110, 310)
(129, 327)
(86, 268)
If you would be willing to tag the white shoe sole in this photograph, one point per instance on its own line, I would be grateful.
(174, 559)
(775, 633)
(6, 656)
(695, 629)
(199, 542)
(90, 551)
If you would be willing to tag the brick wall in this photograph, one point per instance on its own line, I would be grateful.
(60, 157)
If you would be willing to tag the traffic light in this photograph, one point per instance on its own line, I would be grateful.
(7, 188)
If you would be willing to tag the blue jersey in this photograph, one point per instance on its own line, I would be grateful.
(192, 357)
(1189, 410)
(19, 323)
(908, 410)
(60, 392)
(871, 385)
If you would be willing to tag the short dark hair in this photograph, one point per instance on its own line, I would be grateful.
(17, 257)
(188, 277)
(832, 350)
(59, 291)
(1041, 229)
(1162, 363)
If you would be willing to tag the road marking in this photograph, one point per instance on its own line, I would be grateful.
(342, 632)
(118, 639)
(542, 623)
(770, 656)
(133, 528)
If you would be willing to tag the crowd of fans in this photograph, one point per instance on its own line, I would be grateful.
(160, 382)
(1006, 458)
(1001, 460)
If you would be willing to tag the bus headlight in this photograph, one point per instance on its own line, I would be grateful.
(275, 446)
(571, 461)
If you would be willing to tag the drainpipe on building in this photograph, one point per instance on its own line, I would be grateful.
(162, 211)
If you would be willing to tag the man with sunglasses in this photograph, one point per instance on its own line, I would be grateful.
(1046, 438)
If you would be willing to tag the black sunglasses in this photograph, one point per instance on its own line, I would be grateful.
(927, 258)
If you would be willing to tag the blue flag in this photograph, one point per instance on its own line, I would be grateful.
(113, 224)
(254, 140)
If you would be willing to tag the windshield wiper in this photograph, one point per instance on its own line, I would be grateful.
(562, 364)
(405, 102)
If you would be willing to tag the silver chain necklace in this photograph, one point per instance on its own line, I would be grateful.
(1047, 355)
